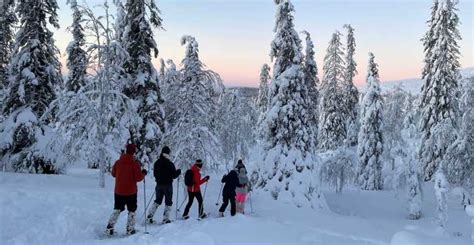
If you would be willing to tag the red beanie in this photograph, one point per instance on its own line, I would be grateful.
(131, 149)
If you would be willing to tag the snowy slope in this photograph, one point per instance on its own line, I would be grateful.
(71, 209)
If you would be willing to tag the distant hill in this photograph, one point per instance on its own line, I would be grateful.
(414, 85)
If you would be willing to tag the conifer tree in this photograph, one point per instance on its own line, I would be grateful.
(332, 131)
(7, 19)
(77, 57)
(370, 145)
(35, 76)
(440, 74)
(287, 170)
(312, 82)
(262, 99)
(142, 85)
(350, 92)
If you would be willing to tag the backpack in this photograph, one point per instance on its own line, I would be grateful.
(188, 178)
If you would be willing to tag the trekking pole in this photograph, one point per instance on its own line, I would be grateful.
(148, 205)
(220, 192)
(144, 202)
(182, 203)
(203, 198)
(177, 200)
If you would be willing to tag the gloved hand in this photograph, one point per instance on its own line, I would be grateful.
(144, 172)
(206, 178)
(178, 172)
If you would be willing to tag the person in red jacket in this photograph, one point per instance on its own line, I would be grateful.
(194, 191)
(127, 173)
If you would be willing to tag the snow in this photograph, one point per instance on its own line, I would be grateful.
(75, 210)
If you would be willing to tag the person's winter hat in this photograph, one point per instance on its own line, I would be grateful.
(131, 149)
(165, 150)
(199, 163)
(240, 161)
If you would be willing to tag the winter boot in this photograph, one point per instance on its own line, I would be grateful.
(185, 216)
(112, 220)
(131, 223)
(166, 215)
(151, 213)
(203, 216)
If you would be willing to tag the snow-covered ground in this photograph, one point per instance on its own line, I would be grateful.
(71, 209)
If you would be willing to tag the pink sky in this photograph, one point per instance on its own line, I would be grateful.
(234, 36)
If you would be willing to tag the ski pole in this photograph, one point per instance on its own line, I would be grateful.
(203, 198)
(182, 203)
(177, 200)
(220, 192)
(148, 205)
(144, 202)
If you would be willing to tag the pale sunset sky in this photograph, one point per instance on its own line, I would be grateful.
(234, 35)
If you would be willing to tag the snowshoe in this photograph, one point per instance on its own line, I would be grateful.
(203, 216)
(150, 221)
(185, 217)
(166, 221)
(131, 232)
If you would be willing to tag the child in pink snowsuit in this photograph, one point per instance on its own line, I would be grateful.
(242, 190)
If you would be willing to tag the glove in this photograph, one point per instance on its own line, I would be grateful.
(144, 172)
(178, 172)
(206, 178)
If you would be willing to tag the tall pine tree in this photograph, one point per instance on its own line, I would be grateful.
(350, 92)
(143, 87)
(440, 74)
(35, 76)
(262, 99)
(287, 171)
(312, 82)
(370, 145)
(332, 131)
(77, 57)
(7, 19)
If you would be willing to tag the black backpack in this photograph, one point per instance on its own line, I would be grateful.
(188, 178)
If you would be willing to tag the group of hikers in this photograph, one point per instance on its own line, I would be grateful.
(127, 173)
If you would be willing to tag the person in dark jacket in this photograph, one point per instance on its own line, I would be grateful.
(240, 165)
(127, 173)
(231, 181)
(165, 172)
(194, 191)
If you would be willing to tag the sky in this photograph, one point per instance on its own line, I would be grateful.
(234, 36)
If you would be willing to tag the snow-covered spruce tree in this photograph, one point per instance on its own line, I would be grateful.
(370, 140)
(77, 58)
(350, 93)
(7, 19)
(459, 160)
(94, 120)
(288, 169)
(192, 131)
(262, 99)
(332, 131)
(312, 82)
(440, 74)
(441, 187)
(35, 74)
(143, 87)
